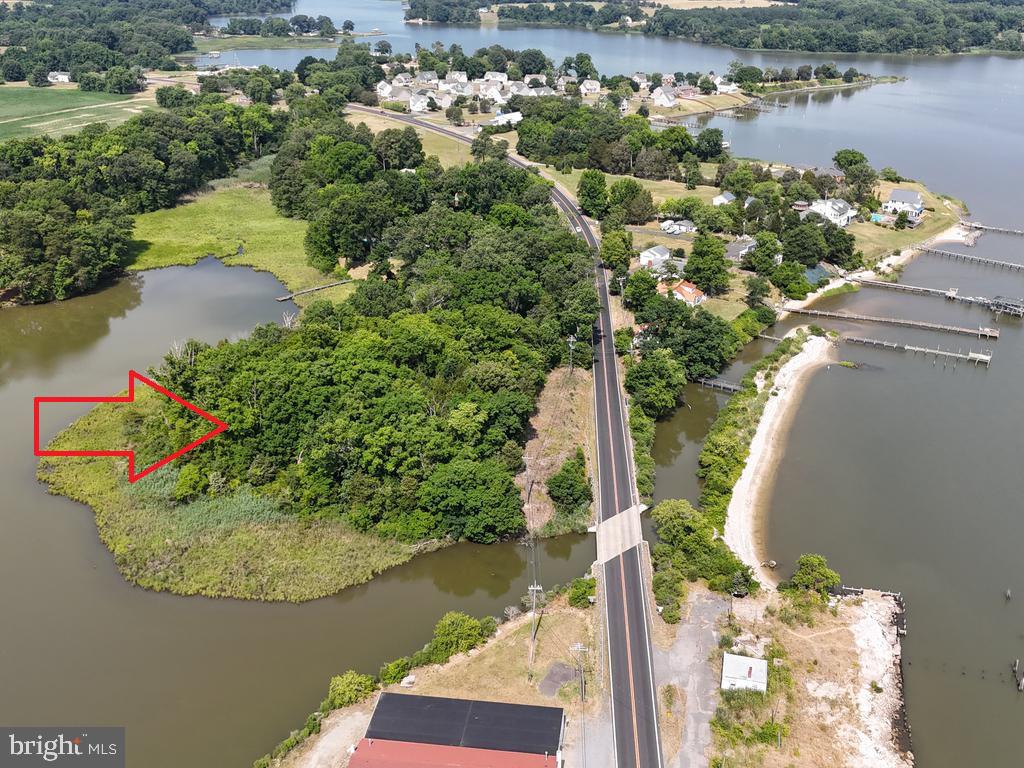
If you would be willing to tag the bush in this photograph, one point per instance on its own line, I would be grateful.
(813, 575)
(456, 632)
(581, 590)
(393, 672)
(349, 688)
(569, 488)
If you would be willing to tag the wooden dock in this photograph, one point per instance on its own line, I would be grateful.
(978, 358)
(974, 259)
(986, 228)
(981, 332)
(767, 337)
(999, 305)
(720, 384)
(311, 290)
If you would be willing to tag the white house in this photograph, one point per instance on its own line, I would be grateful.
(542, 91)
(744, 672)
(723, 199)
(563, 81)
(904, 201)
(493, 93)
(839, 212)
(495, 77)
(590, 88)
(724, 86)
(384, 90)
(507, 118)
(428, 77)
(683, 290)
(641, 79)
(59, 77)
(419, 102)
(659, 259)
(663, 97)
(516, 88)
(457, 76)
(402, 78)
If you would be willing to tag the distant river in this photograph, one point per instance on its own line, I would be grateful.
(197, 682)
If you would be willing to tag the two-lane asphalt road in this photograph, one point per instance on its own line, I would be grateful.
(627, 613)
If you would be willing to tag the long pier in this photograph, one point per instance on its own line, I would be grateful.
(986, 228)
(978, 358)
(974, 259)
(999, 305)
(720, 384)
(769, 337)
(981, 332)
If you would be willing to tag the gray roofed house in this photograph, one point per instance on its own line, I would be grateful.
(723, 199)
(658, 259)
(740, 247)
(906, 201)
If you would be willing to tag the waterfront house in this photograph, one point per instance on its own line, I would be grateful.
(839, 212)
(684, 291)
(723, 199)
(663, 97)
(835, 173)
(905, 201)
(744, 672)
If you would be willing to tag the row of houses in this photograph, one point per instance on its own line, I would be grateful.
(418, 90)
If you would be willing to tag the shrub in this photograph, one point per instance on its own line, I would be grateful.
(394, 671)
(456, 632)
(813, 575)
(349, 688)
(581, 590)
(569, 488)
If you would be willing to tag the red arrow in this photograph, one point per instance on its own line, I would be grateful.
(133, 376)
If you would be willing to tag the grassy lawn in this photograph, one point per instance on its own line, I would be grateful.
(228, 547)
(27, 111)
(242, 42)
(236, 213)
(699, 104)
(449, 151)
(650, 235)
(730, 304)
(877, 241)
(660, 190)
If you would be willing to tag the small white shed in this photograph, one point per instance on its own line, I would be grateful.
(744, 672)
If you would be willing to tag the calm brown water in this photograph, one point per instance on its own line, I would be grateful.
(197, 682)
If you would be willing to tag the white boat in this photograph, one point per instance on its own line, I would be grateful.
(214, 54)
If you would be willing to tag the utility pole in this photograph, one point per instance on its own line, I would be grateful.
(572, 348)
(578, 649)
(534, 588)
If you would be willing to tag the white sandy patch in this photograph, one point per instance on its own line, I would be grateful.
(742, 527)
(878, 650)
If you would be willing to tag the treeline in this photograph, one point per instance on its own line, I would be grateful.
(66, 204)
(571, 14)
(85, 36)
(404, 409)
(568, 134)
(275, 26)
(871, 26)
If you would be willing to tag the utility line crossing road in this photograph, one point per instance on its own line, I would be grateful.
(627, 615)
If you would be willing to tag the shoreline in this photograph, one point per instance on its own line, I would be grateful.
(745, 519)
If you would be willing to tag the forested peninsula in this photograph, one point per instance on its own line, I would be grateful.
(850, 26)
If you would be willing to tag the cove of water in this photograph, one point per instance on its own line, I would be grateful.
(196, 681)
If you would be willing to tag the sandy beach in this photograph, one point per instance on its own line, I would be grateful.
(743, 523)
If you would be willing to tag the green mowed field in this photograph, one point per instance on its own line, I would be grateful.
(218, 222)
(26, 111)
